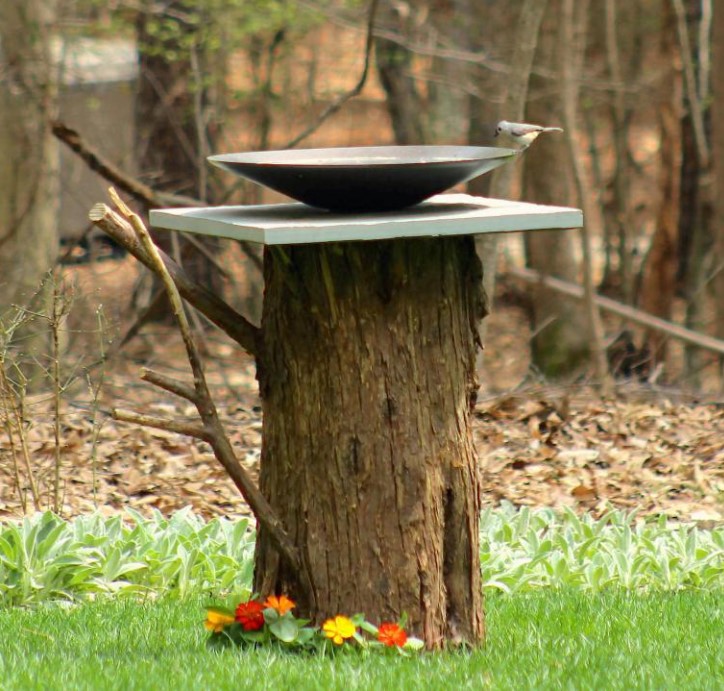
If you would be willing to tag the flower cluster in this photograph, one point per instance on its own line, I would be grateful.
(257, 622)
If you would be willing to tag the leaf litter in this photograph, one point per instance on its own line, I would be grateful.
(536, 447)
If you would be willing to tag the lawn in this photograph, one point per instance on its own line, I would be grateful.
(546, 638)
(572, 602)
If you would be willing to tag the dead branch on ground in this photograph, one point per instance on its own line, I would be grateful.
(629, 313)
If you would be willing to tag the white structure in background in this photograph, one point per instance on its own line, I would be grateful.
(97, 80)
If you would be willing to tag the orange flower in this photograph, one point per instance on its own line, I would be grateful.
(391, 635)
(216, 620)
(339, 629)
(282, 604)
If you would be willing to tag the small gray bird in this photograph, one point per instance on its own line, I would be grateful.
(519, 134)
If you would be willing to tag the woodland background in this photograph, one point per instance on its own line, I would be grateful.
(145, 90)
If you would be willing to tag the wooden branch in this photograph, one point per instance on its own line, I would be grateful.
(210, 305)
(333, 107)
(627, 312)
(187, 428)
(101, 165)
(202, 399)
(171, 385)
(150, 197)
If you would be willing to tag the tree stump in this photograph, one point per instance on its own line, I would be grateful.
(367, 378)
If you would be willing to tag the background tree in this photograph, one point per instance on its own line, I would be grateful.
(718, 161)
(561, 340)
(29, 162)
(395, 68)
(658, 279)
(179, 113)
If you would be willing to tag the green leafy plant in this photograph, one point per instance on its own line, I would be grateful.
(525, 549)
(44, 557)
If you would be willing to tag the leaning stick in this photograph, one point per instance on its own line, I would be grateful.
(211, 430)
(206, 302)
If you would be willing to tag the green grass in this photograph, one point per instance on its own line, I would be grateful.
(542, 639)
(573, 602)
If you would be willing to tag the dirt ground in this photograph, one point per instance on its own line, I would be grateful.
(656, 451)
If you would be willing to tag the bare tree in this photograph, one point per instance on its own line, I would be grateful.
(718, 160)
(561, 343)
(29, 161)
(177, 117)
(394, 65)
(513, 88)
(658, 280)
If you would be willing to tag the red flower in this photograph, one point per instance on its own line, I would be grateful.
(391, 635)
(250, 615)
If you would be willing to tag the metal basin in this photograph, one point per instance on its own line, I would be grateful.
(359, 179)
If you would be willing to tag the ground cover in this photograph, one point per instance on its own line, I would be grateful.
(44, 558)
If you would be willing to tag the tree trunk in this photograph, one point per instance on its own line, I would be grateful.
(658, 280)
(695, 208)
(29, 162)
(503, 183)
(394, 66)
(717, 119)
(379, 492)
(175, 130)
(560, 345)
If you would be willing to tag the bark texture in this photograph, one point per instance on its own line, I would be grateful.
(367, 377)
(658, 278)
(177, 120)
(718, 164)
(29, 162)
(560, 346)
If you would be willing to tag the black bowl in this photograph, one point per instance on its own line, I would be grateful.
(368, 178)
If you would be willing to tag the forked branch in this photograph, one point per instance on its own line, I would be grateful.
(209, 304)
(210, 430)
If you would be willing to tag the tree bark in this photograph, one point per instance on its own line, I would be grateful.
(29, 193)
(175, 127)
(718, 164)
(379, 491)
(560, 346)
(394, 66)
(658, 280)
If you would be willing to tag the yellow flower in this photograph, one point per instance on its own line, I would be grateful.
(217, 620)
(339, 629)
(282, 604)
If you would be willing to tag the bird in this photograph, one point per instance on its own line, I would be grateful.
(520, 135)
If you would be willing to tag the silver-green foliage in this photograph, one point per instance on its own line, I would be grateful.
(46, 558)
(525, 549)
